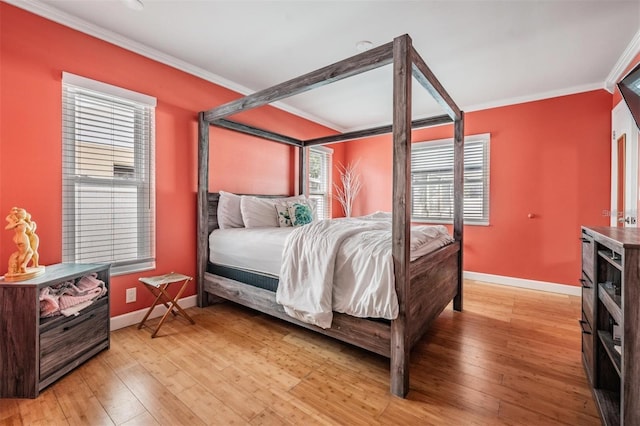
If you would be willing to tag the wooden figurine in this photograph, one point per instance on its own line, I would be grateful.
(27, 242)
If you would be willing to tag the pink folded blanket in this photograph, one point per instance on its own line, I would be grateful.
(63, 297)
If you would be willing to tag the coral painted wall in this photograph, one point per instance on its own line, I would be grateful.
(33, 54)
(550, 158)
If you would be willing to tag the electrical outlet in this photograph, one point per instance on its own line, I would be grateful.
(131, 295)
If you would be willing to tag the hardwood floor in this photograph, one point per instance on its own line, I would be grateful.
(511, 358)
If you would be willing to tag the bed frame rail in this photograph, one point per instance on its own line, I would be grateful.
(367, 334)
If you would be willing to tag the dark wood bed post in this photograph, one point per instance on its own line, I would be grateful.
(203, 214)
(458, 201)
(302, 170)
(400, 341)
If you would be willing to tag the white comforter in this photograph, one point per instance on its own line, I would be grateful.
(345, 265)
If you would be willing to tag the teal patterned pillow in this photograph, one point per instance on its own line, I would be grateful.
(283, 215)
(300, 213)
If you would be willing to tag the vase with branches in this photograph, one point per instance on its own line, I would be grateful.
(349, 187)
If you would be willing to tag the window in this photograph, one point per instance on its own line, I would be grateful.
(432, 180)
(108, 192)
(320, 180)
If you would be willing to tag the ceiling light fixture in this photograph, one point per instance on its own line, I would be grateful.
(363, 45)
(134, 4)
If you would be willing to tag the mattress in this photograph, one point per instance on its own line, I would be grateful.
(251, 249)
(260, 249)
(254, 279)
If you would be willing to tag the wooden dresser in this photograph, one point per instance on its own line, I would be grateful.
(36, 351)
(611, 321)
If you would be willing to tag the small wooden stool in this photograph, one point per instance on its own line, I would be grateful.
(158, 287)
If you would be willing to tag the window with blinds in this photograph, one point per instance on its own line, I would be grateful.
(108, 189)
(432, 180)
(320, 180)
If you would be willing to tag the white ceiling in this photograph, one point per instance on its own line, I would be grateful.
(485, 53)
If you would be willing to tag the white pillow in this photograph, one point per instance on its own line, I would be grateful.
(282, 211)
(229, 214)
(261, 212)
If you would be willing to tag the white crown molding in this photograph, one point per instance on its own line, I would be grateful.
(535, 97)
(44, 10)
(623, 62)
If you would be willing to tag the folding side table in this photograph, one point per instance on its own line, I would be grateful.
(158, 287)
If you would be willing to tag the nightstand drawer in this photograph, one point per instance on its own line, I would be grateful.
(68, 341)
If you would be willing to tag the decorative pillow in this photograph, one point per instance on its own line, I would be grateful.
(229, 215)
(259, 212)
(301, 213)
(284, 219)
(313, 203)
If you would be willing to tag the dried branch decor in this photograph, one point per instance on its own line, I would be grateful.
(350, 180)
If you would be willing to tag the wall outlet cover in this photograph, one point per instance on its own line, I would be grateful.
(131, 295)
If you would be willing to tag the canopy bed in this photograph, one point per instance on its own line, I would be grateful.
(424, 286)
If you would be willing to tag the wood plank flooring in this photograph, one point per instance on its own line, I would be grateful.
(511, 358)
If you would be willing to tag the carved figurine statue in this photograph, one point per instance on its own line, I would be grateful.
(27, 242)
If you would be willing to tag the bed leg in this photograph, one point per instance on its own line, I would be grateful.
(203, 300)
(457, 299)
(399, 362)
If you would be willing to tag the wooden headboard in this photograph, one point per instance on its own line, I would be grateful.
(212, 209)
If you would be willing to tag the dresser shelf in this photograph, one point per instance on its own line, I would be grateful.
(609, 405)
(611, 301)
(608, 344)
(612, 257)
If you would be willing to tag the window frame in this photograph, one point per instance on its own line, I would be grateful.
(326, 155)
(74, 89)
(484, 140)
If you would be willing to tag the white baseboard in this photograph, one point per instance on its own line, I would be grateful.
(131, 318)
(524, 283)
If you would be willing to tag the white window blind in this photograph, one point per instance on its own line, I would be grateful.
(432, 180)
(108, 189)
(320, 180)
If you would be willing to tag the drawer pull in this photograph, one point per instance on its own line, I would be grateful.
(584, 283)
(586, 240)
(69, 327)
(582, 325)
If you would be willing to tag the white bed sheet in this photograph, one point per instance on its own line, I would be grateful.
(251, 249)
(349, 269)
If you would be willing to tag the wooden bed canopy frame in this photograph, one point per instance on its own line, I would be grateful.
(425, 286)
